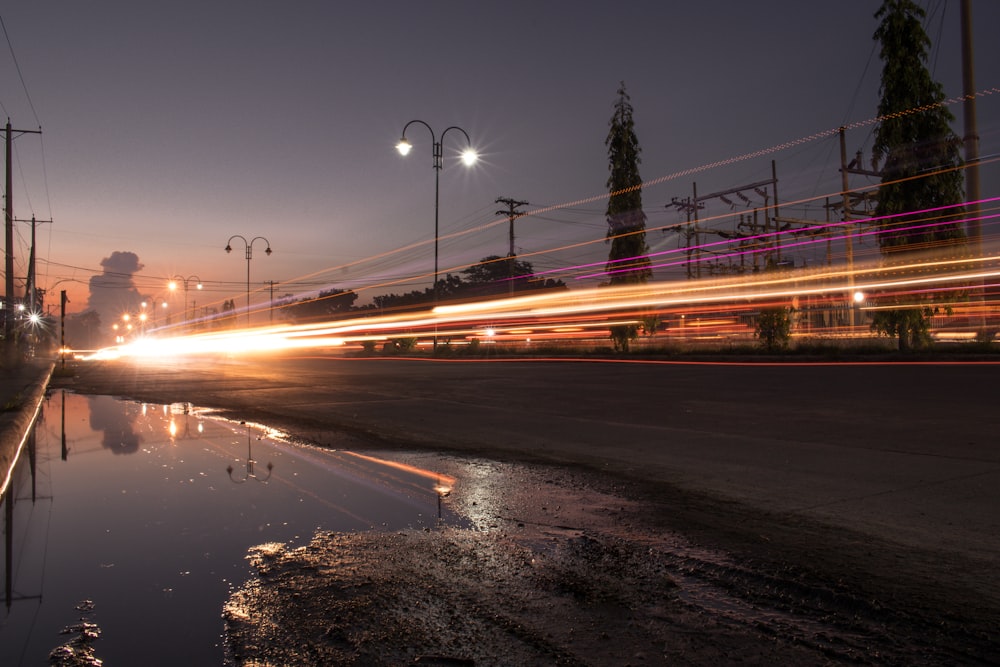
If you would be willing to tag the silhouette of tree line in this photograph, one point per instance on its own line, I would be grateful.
(492, 277)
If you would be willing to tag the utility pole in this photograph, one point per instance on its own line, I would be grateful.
(846, 168)
(688, 206)
(971, 132)
(972, 192)
(512, 214)
(30, 288)
(848, 241)
(271, 301)
(777, 214)
(8, 319)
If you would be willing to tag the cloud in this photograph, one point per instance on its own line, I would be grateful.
(114, 292)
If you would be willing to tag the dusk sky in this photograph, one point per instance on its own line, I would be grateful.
(170, 127)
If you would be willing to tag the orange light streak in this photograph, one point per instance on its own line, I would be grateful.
(443, 480)
(559, 313)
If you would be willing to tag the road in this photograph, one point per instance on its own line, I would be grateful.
(858, 503)
(901, 451)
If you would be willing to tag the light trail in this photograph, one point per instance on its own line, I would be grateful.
(587, 313)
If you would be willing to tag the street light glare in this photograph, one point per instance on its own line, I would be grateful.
(404, 147)
(469, 157)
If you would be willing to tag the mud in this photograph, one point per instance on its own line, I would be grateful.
(561, 568)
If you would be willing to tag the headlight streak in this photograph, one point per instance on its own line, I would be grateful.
(592, 310)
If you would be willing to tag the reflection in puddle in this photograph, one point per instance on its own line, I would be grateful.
(156, 534)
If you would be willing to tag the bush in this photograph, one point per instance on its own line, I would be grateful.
(774, 327)
(622, 335)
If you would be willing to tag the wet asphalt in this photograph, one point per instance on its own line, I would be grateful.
(901, 452)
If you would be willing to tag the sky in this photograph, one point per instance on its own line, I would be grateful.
(168, 128)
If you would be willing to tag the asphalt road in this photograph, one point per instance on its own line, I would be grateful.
(903, 452)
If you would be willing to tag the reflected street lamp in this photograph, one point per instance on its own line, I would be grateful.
(249, 245)
(468, 157)
(173, 286)
(250, 473)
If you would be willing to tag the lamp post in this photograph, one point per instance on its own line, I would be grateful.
(249, 245)
(468, 157)
(184, 281)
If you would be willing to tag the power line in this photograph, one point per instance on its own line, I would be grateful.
(19, 74)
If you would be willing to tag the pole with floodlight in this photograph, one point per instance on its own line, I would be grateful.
(468, 157)
(249, 245)
(184, 281)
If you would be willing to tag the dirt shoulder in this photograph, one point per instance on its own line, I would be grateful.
(570, 564)
(561, 568)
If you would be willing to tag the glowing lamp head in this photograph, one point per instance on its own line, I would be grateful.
(859, 297)
(172, 285)
(199, 286)
(469, 157)
(404, 147)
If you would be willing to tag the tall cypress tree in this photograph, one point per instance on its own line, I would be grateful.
(919, 153)
(628, 259)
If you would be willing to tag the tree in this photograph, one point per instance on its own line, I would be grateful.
(491, 275)
(496, 269)
(774, 327)
(920, 156)
(628, 260)
(326, 305)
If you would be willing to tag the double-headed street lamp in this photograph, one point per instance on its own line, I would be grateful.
(468, 157)
(249, 245)
(184, 281)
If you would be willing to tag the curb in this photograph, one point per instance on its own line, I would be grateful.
(16, 425)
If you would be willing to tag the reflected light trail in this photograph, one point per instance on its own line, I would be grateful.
(442, 479)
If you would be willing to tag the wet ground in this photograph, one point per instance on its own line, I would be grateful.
(562, 568)
(127, 524)
(569, 564)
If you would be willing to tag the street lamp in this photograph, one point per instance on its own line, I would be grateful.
(249, 245)
(173, 286)
(468, 157)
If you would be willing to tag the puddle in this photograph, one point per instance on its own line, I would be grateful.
(146, 513)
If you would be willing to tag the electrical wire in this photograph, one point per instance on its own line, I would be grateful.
(20, 75)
